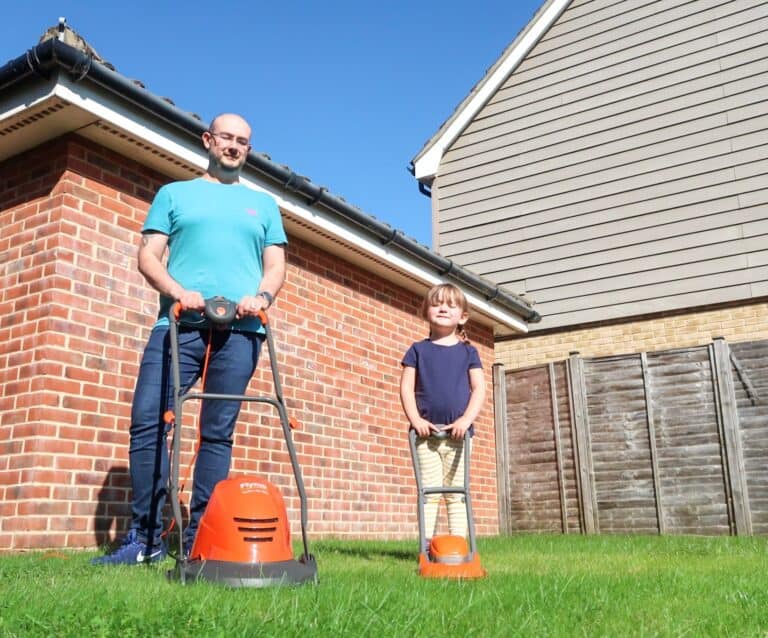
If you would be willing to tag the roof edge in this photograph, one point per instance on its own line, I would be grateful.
(425, 164)
(52, 55)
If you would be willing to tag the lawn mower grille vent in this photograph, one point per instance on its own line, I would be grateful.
(255, 521)
(264, 528)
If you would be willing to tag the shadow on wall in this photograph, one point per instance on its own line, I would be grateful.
(113, 507)
(112, 517)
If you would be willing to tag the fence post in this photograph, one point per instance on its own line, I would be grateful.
(501, 428)
(650, 420)
(729, 418)
(558, 447)
(580, 420)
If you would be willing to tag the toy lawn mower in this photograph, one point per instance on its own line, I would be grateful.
(243, 537)
(446, 556)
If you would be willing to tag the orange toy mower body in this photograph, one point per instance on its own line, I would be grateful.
(450, 557)
(446, 556)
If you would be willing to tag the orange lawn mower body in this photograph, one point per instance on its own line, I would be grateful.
(446, 556)
(243, 537)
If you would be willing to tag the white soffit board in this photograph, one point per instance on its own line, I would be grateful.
(103, 107)
(427, 163)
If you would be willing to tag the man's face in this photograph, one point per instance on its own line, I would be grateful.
(228, 142)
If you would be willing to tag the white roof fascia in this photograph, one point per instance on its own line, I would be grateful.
(125, 118)
(428, 160)
(130, 121)
(319, 220)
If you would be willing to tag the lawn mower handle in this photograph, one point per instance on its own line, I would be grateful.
(221, 312)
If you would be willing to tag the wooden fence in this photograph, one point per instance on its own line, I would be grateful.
(670, 442)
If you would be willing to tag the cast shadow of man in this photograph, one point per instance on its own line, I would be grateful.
(113, 507)
(112, 517)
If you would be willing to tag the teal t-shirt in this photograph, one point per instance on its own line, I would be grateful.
(216, 237)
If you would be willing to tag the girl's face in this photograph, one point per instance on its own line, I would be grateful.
(446, 314)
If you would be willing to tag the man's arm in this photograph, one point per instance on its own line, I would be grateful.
(273, 267)
(151, 252)
(273, 262)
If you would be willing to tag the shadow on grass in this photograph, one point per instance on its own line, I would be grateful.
(366, 550)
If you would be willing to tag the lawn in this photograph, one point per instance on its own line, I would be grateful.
(537, 586)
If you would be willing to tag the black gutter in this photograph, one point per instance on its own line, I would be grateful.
(49, 56)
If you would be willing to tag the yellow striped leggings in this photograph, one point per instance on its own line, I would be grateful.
(442, 464)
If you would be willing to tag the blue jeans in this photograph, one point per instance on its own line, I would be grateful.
(232, 362)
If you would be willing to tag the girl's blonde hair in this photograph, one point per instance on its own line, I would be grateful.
(454, 297)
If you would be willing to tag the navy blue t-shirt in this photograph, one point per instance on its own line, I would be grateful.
(442, 378)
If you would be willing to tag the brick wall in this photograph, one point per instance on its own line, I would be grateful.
(75, 315)
(747, 322)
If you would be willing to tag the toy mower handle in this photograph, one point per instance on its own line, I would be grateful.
(439, 435)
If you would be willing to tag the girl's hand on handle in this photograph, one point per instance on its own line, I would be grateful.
(424, 428)
(458, 428)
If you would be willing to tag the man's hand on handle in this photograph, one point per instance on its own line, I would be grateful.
(251, 305)
(191, 300)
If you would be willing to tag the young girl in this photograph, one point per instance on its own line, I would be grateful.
(442, 388)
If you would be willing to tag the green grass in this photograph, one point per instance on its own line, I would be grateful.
(537, 586)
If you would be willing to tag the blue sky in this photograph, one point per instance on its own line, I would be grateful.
(344, 92)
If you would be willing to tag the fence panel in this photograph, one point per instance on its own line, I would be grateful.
(535, 502)
(750, 380)
(621, 456)
(663, 442)
(693, 491)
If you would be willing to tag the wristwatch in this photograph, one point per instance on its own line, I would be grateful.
(267, 295)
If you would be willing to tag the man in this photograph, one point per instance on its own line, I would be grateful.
(222, 239)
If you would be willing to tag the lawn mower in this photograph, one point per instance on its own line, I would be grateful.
(243, 537)
(446, 556)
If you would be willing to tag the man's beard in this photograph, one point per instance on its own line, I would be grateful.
(230, 170)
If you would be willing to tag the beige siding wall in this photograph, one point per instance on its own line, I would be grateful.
(621, 169)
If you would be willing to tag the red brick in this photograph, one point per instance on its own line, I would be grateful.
(76, 463)
(84, 315)
(25, 524)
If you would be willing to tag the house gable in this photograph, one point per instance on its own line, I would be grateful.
(619, 171)
(427, 161)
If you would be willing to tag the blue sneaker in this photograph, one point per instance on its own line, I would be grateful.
(132, 551)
